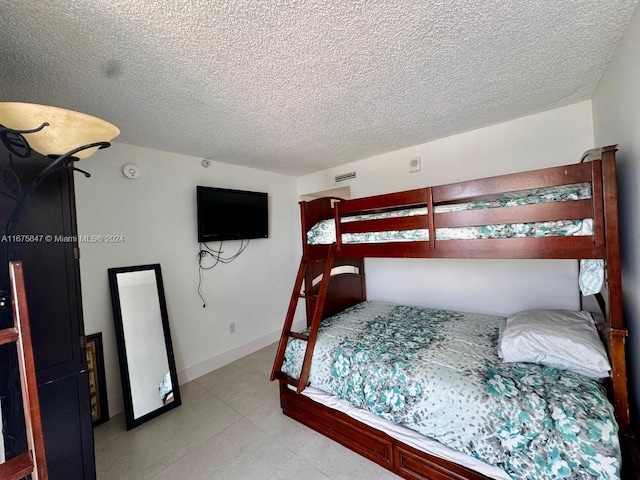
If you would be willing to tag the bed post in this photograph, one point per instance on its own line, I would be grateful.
(614, 311)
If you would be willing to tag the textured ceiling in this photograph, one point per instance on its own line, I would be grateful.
(296, 86)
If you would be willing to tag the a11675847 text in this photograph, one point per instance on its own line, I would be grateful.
(36, 238)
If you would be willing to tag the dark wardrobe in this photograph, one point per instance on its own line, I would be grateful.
(52, 277)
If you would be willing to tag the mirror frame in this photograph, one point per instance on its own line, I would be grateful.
(131, 421)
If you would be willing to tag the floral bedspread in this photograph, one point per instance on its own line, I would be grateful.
(437, 372)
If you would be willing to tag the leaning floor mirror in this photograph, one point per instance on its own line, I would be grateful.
(147, 365)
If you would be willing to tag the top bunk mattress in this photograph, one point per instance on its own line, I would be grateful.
(324, 232)
(437, 372)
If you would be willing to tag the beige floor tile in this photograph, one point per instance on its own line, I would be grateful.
(247, 392)
(297, 469)
(230, 427)
(270, 419)
(154, 445)
(242, 451)
(196, 421)
(338, 462)
(105, 432)
(138, 454)
(191, 390)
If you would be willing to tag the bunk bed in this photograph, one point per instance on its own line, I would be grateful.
(566, 212)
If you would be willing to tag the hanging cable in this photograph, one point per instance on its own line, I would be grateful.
(217, 256)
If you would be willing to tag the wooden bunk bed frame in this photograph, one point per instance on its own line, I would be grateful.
(335, 293)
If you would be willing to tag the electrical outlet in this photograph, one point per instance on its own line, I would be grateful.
(232, 328)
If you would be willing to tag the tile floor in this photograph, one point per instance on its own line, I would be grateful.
(229, 426)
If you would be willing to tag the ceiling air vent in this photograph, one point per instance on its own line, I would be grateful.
(345, 176)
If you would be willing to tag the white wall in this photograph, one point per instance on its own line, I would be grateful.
(616, 119)
(551, 138)
(156, 215)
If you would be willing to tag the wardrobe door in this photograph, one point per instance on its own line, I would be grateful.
(68, 432)
(52, 279)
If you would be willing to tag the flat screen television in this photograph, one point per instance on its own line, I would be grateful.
(225, 214)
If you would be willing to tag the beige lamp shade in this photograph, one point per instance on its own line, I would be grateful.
(66, 130)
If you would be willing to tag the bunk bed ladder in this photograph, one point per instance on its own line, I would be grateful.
(33, 461)
(312, 334)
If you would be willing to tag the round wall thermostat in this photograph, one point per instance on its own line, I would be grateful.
(131, 171)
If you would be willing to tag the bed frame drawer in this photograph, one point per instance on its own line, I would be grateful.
(413, 464)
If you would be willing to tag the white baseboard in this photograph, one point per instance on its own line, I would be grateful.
(213, 363)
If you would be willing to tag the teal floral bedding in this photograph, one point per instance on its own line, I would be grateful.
(437, 372)
(324, 232)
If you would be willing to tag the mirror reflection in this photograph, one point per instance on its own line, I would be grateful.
(147, 365)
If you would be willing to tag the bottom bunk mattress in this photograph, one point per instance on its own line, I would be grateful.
(437, 373)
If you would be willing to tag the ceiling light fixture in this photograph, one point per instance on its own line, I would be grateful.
(60, 134)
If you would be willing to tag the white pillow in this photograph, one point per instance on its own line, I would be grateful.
(555, 338)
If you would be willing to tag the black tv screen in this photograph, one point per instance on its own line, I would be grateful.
(225, 214)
